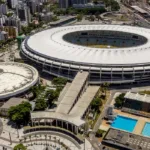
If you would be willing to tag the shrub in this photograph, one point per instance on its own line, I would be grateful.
(119, 100)
(100, 133)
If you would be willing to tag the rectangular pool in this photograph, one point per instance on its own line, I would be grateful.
(146, 129)
(124, 123)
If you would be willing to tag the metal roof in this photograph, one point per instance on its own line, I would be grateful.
(72, 93)
(50, 44)
(137, 97)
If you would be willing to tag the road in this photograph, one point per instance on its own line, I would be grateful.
(138, 19)
(93, 140)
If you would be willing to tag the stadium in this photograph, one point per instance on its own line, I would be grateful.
(16, 78)
(110, 53)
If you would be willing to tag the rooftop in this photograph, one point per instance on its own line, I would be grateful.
(130, 141)
(137, 97)
(54, 115)
(13, 102)
(139, 9)
(72, 93)
(84, 102)
(54, 47)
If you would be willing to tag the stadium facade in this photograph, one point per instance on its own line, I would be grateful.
(110, 53)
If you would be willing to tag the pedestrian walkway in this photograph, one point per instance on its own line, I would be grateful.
(73, 93)
(84, 101)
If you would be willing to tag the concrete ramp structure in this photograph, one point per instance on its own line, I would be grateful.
(77, 87)
(73, 107)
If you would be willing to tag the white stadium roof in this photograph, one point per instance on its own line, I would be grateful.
(50, 43)
(16, 78)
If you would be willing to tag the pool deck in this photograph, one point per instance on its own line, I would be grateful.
(139, 125)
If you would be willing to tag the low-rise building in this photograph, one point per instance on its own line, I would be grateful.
(3, 35)
(45, 17)
(11, 30)
(11, 102)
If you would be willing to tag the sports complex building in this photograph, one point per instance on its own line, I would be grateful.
(110, 53)
(16, 78)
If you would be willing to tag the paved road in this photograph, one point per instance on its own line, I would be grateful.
(93, 140)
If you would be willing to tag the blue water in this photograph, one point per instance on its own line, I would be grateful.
(124, 123)
(146, 129)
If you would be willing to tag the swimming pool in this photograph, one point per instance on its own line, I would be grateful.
(146, 129)
(124, 123)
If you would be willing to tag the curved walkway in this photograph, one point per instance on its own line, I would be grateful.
(54, 133)
(42, 140)
(8, 148)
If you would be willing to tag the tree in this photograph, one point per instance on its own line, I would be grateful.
(52, 95)
(113, 4)
(96, 103)
(40, 104)
(91, 18)
(20, 114)
(20, 147)
(59, 81)
(119, 100)
(95, 2)
(79, 17)
(99, 133)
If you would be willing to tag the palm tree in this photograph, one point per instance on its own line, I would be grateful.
(46, 138)
(49, 137)
(25, 139)
(55, 140)
(105, 87)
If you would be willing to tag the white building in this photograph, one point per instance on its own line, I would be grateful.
(24, 13)
(3, 9)
(3, 35)
(12, 3)
(3, 19)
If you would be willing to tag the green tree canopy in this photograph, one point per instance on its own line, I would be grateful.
(79, 17)
(20, 147)
(40, 104)
(53, 95)
(119, 100)
(20, 113)
(114, 4)
(96, 103)
(59, 81)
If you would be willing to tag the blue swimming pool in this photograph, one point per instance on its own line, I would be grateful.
(146, 129)
(124, 123)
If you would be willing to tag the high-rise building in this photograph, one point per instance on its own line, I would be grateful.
(79, 2)
(3, 19)
(68, 3)
(32, 5)
(12, 3)
(3, 9)
(64, 3)
(24, 13)
(13, 21)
